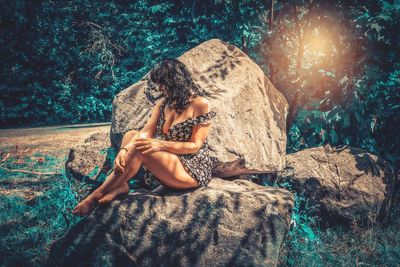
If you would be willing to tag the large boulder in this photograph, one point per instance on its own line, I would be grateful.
(345, 184)
(249, 132)
(228, 223)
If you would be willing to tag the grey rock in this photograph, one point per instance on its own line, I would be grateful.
(248, 135)
(89, 160)
(236, 223)
(344, 184)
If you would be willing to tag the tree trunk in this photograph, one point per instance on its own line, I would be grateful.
(294, 103)
(244, 44)
(271, 17)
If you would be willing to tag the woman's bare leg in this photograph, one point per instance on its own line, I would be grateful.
(165, 166)
(116, 183)
(133, 161)
(168, 170)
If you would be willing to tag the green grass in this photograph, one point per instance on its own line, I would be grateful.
(307, 245)
(27, 229)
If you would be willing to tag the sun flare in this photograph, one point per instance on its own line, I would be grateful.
(317, 42)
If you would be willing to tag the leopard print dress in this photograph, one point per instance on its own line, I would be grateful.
(199, 164)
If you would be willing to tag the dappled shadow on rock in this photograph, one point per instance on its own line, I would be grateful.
(376, 166)
(342, 185)
(228, 223)
(251, 112)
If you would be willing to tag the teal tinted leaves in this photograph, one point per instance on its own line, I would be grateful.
(94, 172)
(161, 8)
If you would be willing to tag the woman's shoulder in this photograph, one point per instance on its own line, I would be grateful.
(200, 102)
(200, 106)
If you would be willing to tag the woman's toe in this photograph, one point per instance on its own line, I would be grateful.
(74, 210)
(102, 201)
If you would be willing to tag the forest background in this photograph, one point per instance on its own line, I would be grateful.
(336, 62)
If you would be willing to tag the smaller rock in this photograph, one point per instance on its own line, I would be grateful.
(345, 185)
(88, 160)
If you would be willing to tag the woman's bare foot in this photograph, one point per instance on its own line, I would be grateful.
(119, 190)
(85, 207)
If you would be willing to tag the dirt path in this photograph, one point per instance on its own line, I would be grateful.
(50, 140)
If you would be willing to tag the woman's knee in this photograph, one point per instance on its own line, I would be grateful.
(151, 157)
(133, 153)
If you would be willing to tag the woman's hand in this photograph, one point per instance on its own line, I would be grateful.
(119, 162)
(147, 145)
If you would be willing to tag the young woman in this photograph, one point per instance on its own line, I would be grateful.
(172, 145)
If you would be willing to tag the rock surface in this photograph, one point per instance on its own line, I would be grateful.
(235, 223)
(89, 160)
(248, 135)
(349, 184)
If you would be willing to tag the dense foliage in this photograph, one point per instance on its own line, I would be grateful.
(336, 62)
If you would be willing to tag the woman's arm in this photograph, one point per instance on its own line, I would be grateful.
(128, 141)
(199, 133)
(147, 145)
(128, 136)
(180, 147)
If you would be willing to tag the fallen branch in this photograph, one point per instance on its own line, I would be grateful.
(6, 157)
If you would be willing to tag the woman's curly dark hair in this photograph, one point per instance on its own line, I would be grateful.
(178, 82)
